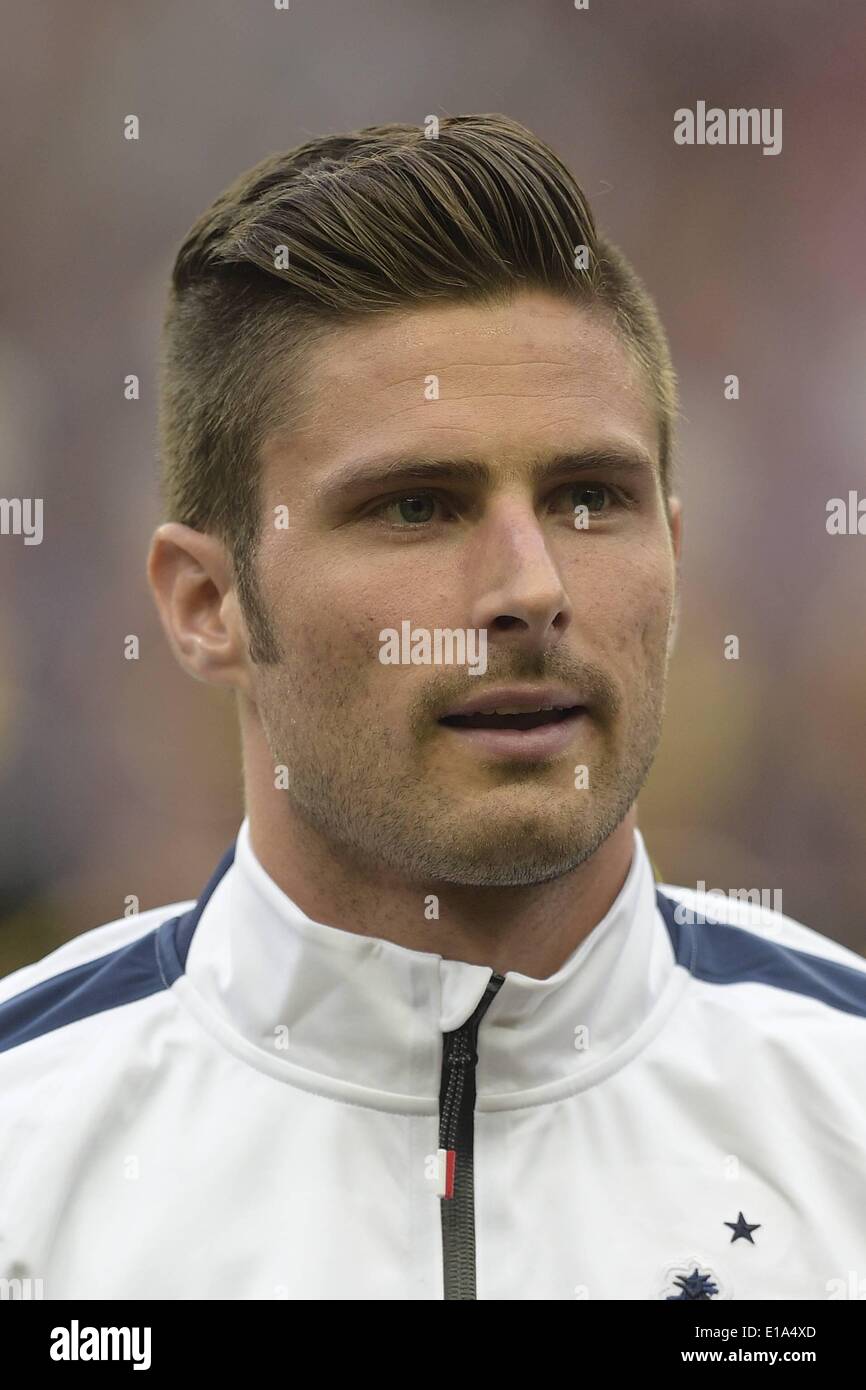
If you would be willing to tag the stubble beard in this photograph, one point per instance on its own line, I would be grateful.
(349, 788)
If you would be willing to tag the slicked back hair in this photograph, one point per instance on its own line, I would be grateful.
(376, 221)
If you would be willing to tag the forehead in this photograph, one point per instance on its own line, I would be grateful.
(504, 380)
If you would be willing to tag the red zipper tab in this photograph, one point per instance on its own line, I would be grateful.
(447, 1168)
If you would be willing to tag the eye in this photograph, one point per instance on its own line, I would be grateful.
(597, 498)
(592, 496)
(413, 509)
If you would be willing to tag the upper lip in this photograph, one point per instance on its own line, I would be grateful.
(516, 699)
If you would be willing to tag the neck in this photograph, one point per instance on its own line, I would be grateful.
(531, 930)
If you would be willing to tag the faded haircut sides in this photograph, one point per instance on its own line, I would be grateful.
(379, 220)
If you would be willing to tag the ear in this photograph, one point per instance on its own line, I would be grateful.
(675, 517)
(675, 521)
(191, 577)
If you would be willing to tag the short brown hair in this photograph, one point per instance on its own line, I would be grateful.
(385, 218)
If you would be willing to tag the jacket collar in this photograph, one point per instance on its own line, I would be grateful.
(348, 1014)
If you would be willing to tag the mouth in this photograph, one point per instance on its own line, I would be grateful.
(503, 719)
(525, 735)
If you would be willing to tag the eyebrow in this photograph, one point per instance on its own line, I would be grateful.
(386, 471)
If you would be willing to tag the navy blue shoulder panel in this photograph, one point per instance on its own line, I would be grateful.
(143, 967)
(121, 977)
(727, 955)
(174, 938)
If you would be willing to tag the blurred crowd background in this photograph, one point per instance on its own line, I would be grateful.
(123, 778)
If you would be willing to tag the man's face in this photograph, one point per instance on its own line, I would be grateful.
(478, 533)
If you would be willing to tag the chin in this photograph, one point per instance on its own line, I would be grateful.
(520, 850)
(494, 872)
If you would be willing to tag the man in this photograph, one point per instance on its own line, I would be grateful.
(431, 1030)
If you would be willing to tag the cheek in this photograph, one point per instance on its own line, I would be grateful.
(332, 643)
(631, 608)
(323, 613)
(348, 611)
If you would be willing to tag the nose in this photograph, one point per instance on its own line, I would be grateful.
(519, 596)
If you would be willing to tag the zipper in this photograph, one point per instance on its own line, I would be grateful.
(456, 1134)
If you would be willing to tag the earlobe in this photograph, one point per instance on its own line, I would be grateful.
(190, 578)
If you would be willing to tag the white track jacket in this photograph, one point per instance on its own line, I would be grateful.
(224, 1099)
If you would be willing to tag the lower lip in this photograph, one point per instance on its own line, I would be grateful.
(522, 745)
